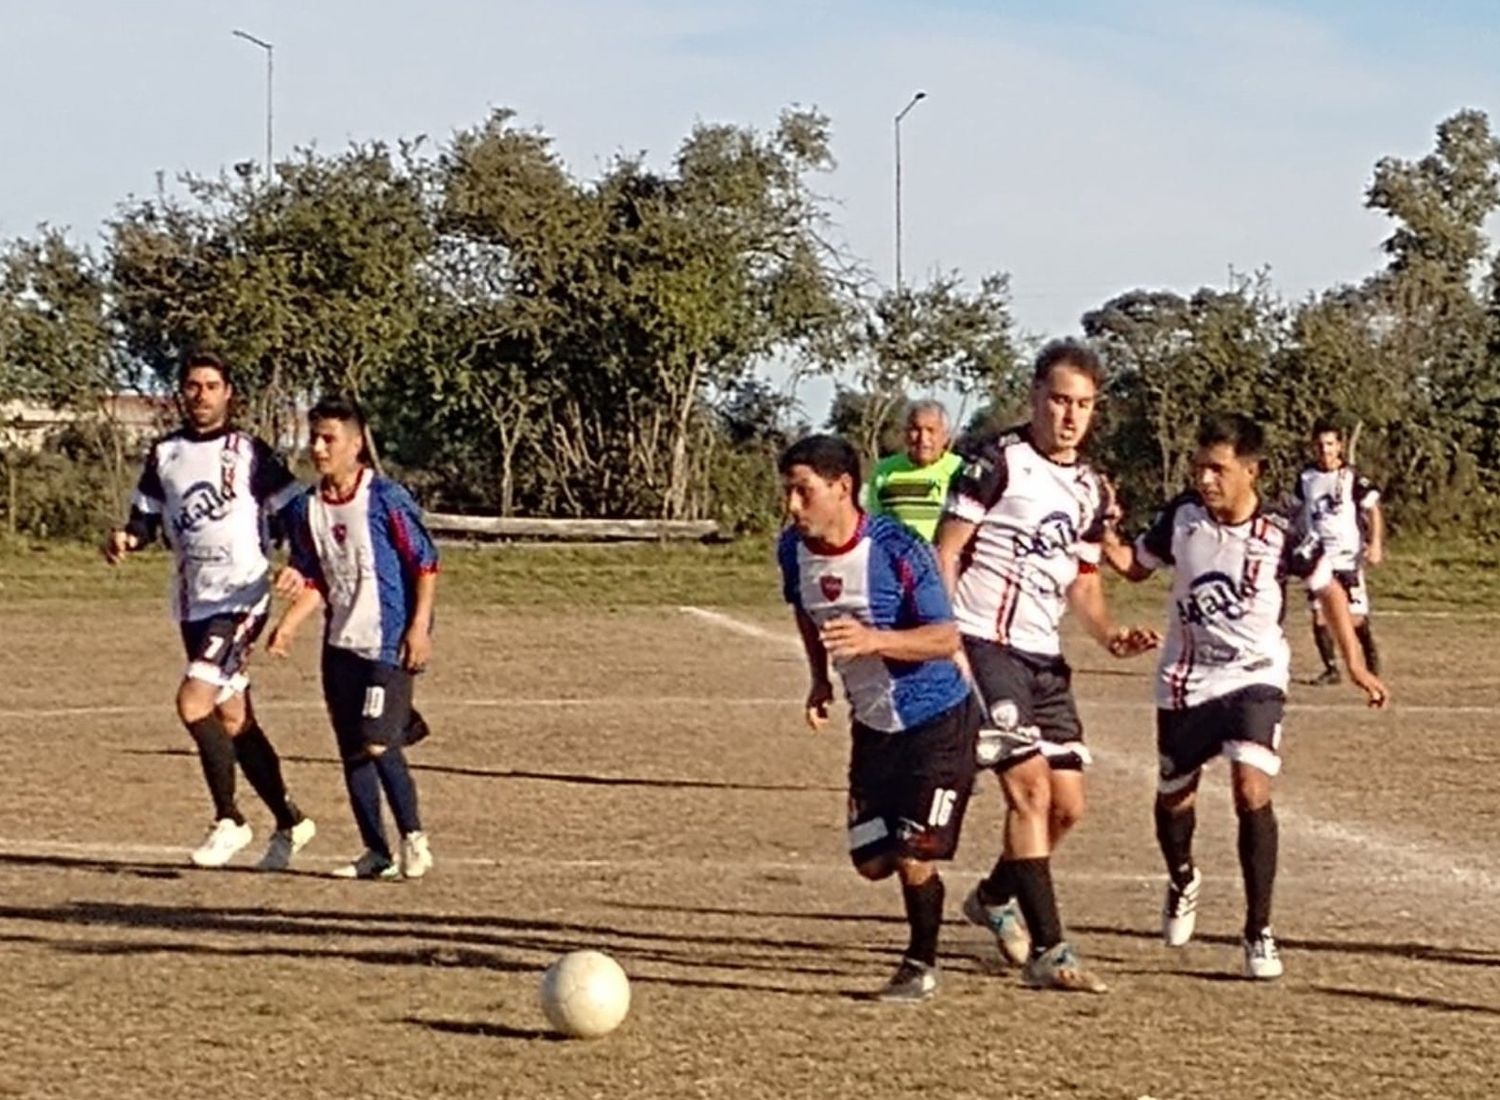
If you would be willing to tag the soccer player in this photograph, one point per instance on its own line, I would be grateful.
(1342, 507)
(1018, 545)
(869, 603)
(1221, 685)
(360, 551)
(208, 488)
(911, 485)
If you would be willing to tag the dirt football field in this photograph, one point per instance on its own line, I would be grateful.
(640, 781)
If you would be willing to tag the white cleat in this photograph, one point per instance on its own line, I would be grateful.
(370, 865)
(1262, 960)
(285, 844)
(416, 855)
(1004, 922)
(223, 843)
(1179, 911)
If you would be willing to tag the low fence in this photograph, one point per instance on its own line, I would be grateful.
(573, 530)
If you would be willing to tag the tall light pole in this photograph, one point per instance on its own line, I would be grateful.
(915, 99)
(270, 73)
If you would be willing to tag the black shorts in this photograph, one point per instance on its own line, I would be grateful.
(1029, 708)
(1243, 726)
(218, 649)
(1353, 583)
(908, 791)
(369, 703)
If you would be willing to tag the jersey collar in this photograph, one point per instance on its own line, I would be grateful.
(824, 550)
(326, 494)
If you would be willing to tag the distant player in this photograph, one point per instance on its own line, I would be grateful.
(870, 604)
(1221, 686)
(360, 551)
(209, 489)
(911, 485)
(1018, 546)
(1342, 507)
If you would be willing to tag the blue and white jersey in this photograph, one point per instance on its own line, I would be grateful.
(887, 578)
(364, 553)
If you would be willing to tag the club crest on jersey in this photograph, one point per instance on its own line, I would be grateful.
(340, 533)
(202, 503)
(1052, 536)
(1214, 596)
(831, 585)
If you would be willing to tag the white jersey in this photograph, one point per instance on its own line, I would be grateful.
(1333, 506)
(1228, 599)
(1038, 523)
(209, 494)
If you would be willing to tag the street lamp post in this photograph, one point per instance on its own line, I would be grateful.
(270, 73)
(915, 99)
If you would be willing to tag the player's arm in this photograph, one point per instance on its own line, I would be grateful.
(416, 646)
(144, 523)
(274, 488)
(820, 687)
(932, 634)
(1375, 547)
(309, 601)
(1137, 560)
(1122, 557)
(1087, 602)
(419, 559)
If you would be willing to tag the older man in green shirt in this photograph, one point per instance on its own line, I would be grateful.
(911, 485)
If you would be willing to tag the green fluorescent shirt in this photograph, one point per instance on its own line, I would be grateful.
(912, 494)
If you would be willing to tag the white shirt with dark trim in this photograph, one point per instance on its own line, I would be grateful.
(211, 495)
(1038, 524)
(1228, 599)
(1334, 505)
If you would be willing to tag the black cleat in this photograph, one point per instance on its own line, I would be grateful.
(1329, 677)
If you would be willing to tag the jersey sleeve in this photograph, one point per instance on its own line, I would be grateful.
(1091, 539)
(1366, 495)
(786, 560)
(408, 533)
(148, 502)
(1306, 560)
(978, 485)
(1153, 549)
(271, 483)
(302, 551)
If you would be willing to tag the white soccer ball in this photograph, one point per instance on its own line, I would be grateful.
(585, 994)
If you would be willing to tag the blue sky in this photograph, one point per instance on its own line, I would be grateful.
(1085, 148)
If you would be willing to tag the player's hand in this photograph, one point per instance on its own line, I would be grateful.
(416, 649)
(1375, 691)
(280, 642)
(117, 545)
(1132, 641)
(819, 698)
(846, 638)
(1374, 555)
(289, 583)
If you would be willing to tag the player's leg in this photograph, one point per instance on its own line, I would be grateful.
(1068, 803)
(197, 696)
(386, 718)
(1323, 639)
(1252, 746)
(1185, 741)
(1359, 612)
(1062, 744)
(344, 684)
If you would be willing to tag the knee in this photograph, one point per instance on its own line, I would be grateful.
(1030, 792)
(1066, 814)
(874, 870)
(193, 705)
(1252, 791)
(914, 872)
(234, 724)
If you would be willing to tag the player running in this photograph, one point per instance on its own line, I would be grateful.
(1018, 545)
(1342, 507)
(1221, 685)
(359, 549)
(869, 602)
(208, 488)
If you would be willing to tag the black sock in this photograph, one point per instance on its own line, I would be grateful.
(216, 754)
(1038, 901)
(924, 913)
(1174, 834)
(1367, 643)
(1258, 842)
(1000, 886)
(400, 789)
(262, 767)
(1324, 637)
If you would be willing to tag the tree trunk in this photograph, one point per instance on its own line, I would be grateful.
(674, 501)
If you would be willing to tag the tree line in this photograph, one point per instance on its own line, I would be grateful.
(530, 342)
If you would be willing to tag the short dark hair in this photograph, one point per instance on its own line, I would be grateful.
(197, 359)
(1243, 434)
(828, 456)
(338, 406)
(1068, 352)
(1327, 426)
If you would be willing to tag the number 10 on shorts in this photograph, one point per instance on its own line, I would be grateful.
(943, 801)
(374, 701)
